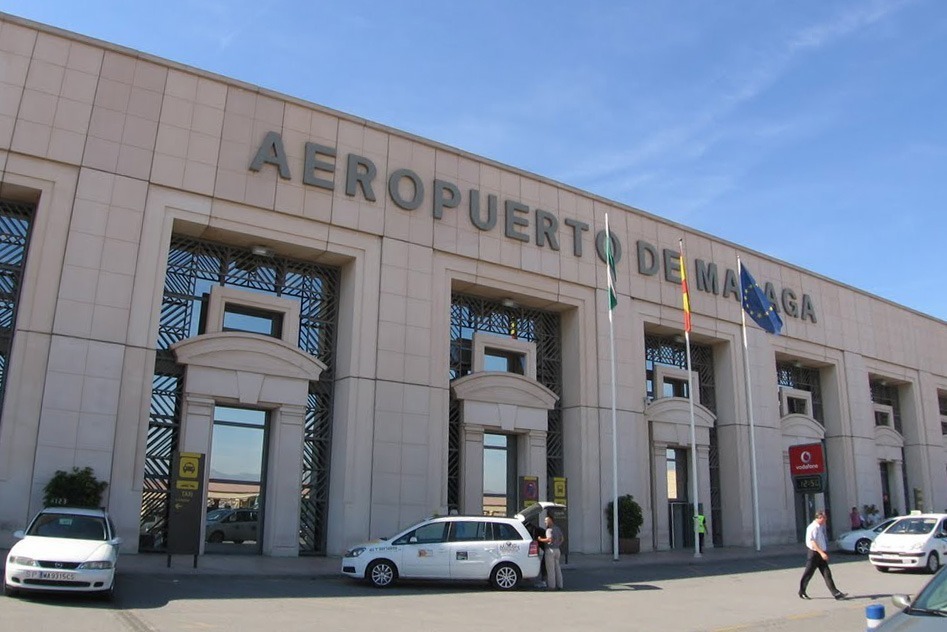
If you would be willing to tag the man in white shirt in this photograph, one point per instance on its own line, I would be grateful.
(818, 558)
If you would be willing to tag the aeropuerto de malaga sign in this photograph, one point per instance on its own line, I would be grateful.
(407, 191)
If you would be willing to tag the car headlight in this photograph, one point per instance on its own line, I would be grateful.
(96, 566)
(917, 546)
(19, 560)
(355, 552)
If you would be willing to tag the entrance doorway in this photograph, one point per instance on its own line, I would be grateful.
(805, 513)
(234, 522)
(680, 511)
(499, 475)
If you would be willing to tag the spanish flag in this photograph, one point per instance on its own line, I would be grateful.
(687, 300)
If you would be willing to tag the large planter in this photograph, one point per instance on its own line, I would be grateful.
(629, 546)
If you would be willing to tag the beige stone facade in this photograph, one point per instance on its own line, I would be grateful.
(118, 152)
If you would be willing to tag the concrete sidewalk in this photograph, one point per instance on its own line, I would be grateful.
(259, 566)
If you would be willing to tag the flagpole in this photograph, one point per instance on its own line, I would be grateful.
(611, 342)
(749, 414)
(690, 398)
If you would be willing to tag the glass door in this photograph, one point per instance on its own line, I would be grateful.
(499, 475)
(237, 480)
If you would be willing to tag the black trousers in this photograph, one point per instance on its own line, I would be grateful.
(814, 561)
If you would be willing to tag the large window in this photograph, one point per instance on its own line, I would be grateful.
(194, 267)
(794, 376)
(16, 222)
(471, 314)
(886, 395)
(942, 405)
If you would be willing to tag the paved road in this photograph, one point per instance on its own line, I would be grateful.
(727, 596)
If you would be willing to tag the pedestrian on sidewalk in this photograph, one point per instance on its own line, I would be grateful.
(553, 541)
(857, 521)
(818, 557)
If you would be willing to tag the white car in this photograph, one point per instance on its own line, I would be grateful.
(492, 548)
(64, 549)
(859, 541)
(915, 541)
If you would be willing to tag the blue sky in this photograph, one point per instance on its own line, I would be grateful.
(814, 131)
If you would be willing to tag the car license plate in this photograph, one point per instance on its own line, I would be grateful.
(54, 575)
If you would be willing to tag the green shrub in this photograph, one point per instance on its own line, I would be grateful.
(79, 488)
(629, 517)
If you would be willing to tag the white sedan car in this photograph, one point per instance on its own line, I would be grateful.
(65, 549)
(492, 548)
(859, 541)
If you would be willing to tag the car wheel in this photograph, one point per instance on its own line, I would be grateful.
(862, 546)
(108, 595)
(933, 563)
(882, 569)
(216, 537)
(381, 574)
(505, 577)
(10, 591)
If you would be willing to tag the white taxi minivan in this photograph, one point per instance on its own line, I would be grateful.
(916, 541)
(489, 548)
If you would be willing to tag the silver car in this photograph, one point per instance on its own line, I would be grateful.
(232, 525)
(927, 612)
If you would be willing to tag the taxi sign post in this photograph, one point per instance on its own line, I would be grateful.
(186, 504)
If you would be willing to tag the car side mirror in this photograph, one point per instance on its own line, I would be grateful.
(115, 541)
(19, 534)
(901, 601)
(413, 540)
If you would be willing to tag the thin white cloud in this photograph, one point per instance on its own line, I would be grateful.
(703, 129)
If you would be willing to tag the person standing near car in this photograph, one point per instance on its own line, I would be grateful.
(818, 558)
(553, 541)
(856, 517)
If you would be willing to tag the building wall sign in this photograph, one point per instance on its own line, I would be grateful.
(407, 191)
(806, 459)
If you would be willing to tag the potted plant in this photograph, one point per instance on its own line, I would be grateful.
(629, 523)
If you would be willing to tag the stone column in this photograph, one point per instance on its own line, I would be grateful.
(531, 461)
(283, 484)
(197, 427)
(471, 470)
(662, 535)
(898, 501)
(703, 484)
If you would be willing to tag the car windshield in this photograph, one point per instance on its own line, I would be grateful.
(934, 595)
(216, 515)
(72, 526)
(913, 526)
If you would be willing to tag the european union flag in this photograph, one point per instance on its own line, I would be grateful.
(757, 305)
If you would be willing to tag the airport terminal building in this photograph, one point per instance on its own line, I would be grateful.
(359, 328)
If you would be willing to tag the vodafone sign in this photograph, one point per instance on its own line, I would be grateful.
(806, 459)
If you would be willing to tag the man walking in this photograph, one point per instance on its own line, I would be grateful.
(553, 540)
(818, 558)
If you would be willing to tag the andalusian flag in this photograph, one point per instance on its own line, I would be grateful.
(687, 300)
(612, 277)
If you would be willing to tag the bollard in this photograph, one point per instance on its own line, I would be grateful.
(874, 615)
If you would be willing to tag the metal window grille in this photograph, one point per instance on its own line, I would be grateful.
(470, 314)
(16, 223)
(669, 352)
(193, 268)
(804, 379)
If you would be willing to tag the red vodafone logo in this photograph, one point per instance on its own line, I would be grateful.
(806, 459)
